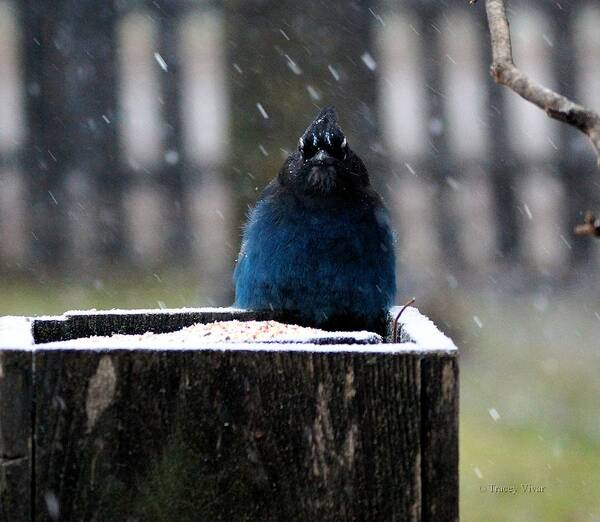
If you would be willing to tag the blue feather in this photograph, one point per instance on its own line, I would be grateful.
(325, 254)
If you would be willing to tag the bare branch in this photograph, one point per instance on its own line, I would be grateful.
(591, 226)
(555, 105)
(505, 72)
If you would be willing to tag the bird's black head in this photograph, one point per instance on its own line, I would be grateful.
(324, 163)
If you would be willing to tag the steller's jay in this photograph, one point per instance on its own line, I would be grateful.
(318, 245)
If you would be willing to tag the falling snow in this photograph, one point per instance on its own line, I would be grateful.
(369, 61)
(410, 168)
(262, 111)
(436, 126)
(161, 61)
(494, 414)
(452, 281)
(52, 504)
(552, 144)
(453, 183)
(294, 67)
(413, 29)
(171, 157)
(334, 72)
(377, 17)
(314, 94)
(565, 241)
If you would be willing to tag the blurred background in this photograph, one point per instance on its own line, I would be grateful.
(135, 134)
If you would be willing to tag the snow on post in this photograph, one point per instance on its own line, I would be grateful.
(295, 424)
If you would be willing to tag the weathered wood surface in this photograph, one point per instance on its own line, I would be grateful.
(16, 409)
(327, 433)
(73, 325)
(439, 443)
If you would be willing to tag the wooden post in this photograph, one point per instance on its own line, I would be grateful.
(228, 431)
(15, 434)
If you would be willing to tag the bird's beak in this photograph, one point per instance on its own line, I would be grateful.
(321, 156)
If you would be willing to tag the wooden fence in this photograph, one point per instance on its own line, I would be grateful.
(136, 133)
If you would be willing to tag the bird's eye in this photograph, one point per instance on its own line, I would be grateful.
(308, 147)
(338, 146)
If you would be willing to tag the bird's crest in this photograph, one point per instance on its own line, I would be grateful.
(324, 135)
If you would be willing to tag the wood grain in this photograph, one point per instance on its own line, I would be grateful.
(230, 435)
(16, 406)
(218, 434)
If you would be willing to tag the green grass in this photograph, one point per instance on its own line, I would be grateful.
(166, 290)
(536, 362)
(567, 467)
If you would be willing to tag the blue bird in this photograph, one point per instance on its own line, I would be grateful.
(318, 246)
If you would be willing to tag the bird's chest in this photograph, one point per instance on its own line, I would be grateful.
(338, 234)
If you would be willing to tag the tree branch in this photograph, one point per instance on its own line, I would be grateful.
(591, 226)
(505, 72)
(559, 107)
